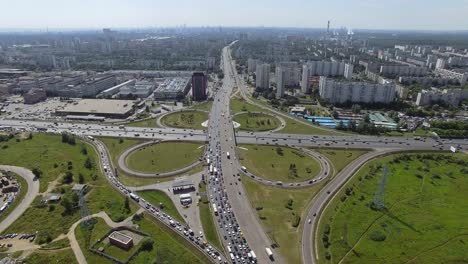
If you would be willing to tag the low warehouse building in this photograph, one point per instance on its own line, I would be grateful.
(121, 240)
(99, 107)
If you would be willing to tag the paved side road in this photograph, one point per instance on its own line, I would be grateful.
(33, 190)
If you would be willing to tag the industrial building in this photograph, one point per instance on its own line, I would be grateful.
(35, 96)
(171, 88)
(121, 240)
(355, 92)
(118, 109)
(199, 86)
(137, 90)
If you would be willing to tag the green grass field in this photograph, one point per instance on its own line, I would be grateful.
(205, 106)
(48, 153)
(275, 163)
(341, 157)
(277, 217)
(423, 220)
(155, 197)
(240, 105)
(18, 199)
(86, 236)
(257, 122)
(208, 224)
(64, 255)
(164, 157)
(185, 119)
(116, 147)
(143, 123)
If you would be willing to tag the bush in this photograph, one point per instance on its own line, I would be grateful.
(377, 236)
(296, 220)
(147, 245)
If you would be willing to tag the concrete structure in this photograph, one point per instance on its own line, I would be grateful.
(348, 71)
(355, 92)
(402, 70)
(99, 107)
(35, 96)
(323, 68)
(292, 73)
(280, 79)
(252, 65)
(440, 64)
(171, 88)
(116, 89)
(199, 86)
(262, 76)
(137, 90)
(121, 240)
(451, 97)
(462, 77)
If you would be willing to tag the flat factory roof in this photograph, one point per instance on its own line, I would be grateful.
(103, 106)
(120, 237)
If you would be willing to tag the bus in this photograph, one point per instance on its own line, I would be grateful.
(135, 197)
(215, 209)
(208, 161)
(215, 171)
(254, 257)
(227, 155)
(211, 169)
(269, 253)
(244, 169)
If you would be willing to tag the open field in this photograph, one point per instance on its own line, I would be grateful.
(168, 247)
(164, 156)
(281, 221)
(86, 236)
(339, 158)
(19, 197)
(205, 106)
(52, 256)
(143, 123)
(55, 159)
(185, 119)
(240, 105)
(155, 197)
(207, 220)
(421, 221)
(257, 121)
(278, 163)
(116, 147)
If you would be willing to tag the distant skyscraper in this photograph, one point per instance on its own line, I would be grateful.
(199, 84)
(280, 78)
(263, 76)
(440, 64)
(348, 71)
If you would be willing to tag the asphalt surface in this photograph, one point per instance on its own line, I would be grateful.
(33, 190)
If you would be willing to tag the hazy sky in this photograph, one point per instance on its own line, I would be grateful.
(371, 14)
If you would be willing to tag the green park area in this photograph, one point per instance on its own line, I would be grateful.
(205, 106)
(413, 214)
(240, 105)
(167, 247)
(277, 163)
(164, 156)
(60, 162)
(341, 157)
(206, 218)
(64, 255)
(281, 210)
(117, 146)
(185, 119)
(161, 200)
(254, 121)
(151, 122)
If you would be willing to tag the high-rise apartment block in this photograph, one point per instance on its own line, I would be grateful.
(199, 85)
(263, 76)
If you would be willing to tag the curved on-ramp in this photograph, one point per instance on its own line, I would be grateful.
(33, 190)
(123, 164)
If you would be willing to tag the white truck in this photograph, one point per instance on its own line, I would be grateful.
(227, 155)
(269, 253)
(135, 197)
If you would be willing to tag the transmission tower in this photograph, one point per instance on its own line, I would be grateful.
(84, 212)
(378, 202)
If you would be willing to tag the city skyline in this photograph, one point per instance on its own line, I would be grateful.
(367, 14)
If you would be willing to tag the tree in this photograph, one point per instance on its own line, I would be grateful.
(67, 205)
(127, 205)
(88, 163)
(84, 150)
(30, 136)
(68, 178)
(37, 172)
(147, 244)
(81, 178)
